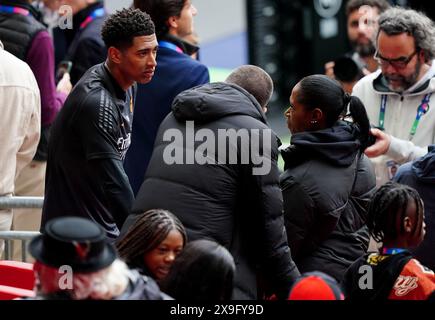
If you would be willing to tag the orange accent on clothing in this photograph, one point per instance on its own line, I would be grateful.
(131, 104)
(415, 282)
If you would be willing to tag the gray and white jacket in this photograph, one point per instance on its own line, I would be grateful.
(400, 114)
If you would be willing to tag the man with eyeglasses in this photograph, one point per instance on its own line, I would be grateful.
(397, 97)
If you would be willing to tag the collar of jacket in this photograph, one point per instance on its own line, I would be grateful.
(381, 87)
(113, 83)
(424, 167)
(177, 41)
(338, 145)
(190, 48)
(25, 5)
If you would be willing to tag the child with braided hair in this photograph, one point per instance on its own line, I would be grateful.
(152, 243)
(395, 218)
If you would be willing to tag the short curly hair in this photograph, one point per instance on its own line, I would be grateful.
(121, 27)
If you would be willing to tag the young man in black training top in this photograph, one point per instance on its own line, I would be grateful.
(85, 175)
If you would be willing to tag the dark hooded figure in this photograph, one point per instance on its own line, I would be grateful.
(328, 182)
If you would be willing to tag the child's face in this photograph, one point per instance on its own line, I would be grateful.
(415, 226)
(160, 259)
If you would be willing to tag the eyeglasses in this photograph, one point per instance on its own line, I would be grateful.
(398, 63)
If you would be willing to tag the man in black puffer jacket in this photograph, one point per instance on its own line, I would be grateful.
(237, 201)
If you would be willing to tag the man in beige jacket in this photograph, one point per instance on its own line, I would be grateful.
(20, 125)
(399, 98)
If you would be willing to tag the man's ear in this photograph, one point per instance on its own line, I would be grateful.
(173, 22)
(421, 56)
(115, 55)
(317, 115)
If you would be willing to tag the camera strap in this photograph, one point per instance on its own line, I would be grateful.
(421, 110)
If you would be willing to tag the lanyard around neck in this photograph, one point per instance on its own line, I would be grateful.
(392, 250)
(95, 14)
(11, 9)
(169, 45)
(421, 110)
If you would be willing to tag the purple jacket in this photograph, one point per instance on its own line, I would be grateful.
(40, 58)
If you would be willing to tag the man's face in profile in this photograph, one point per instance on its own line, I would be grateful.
(138, 62)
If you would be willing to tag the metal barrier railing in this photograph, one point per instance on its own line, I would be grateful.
(23, 236)
(21, 202)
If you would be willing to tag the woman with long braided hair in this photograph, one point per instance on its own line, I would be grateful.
(153, 242)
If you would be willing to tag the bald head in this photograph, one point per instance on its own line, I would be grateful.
(254, 80)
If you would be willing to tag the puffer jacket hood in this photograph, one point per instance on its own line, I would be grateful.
(424, 168)
(338, 145)
(214, 101)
